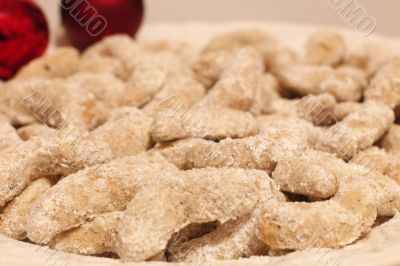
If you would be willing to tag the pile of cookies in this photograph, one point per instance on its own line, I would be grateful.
(156, 151)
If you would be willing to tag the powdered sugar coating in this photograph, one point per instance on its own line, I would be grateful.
(301, 156)
(8, 134)
(234, 239)
(90, 192)
(192, 196)
(325, 48)
(15, 214)
(35, 130)
(95, 237)
(209, 123)
(384, 86)
(297, 225)
(346, 83)
(57, 64)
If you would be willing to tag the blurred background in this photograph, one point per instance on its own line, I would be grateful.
(385, 12)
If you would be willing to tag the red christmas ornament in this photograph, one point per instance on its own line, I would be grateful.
(23, 35)
(87, 21)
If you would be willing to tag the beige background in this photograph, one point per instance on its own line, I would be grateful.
(385, 12)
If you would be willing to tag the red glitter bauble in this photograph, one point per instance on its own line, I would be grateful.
(87, 21)
(23, 35)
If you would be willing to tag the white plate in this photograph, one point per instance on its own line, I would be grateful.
(380, 248)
